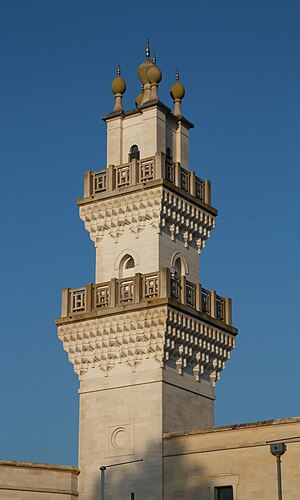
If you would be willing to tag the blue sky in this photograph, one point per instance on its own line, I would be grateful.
(239, 62)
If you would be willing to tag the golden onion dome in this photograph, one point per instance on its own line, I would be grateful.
(177, 90)
(143, 68)
(154, 74)
(118, 85)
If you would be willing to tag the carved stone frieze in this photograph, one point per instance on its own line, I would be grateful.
(105, 342)
(159, 207)
(162, 333)
(112, 216)
(191, 344)
(186, 219)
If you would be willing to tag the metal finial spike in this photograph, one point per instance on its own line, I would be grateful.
(119, 70)
(147, 48)
(154, 58)
(142, 88)
(177, 75)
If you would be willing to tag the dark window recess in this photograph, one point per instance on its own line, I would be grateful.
(129, 264)
(224, 493)
(134, 152)
(169, 154)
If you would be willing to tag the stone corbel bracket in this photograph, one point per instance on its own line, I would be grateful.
(114, 215)
(193, 345)
(159, 207)
(161, 333)
(184, 218)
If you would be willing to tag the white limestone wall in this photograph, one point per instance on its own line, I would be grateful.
(123, 417)
(145, 129)
(237, 456)
(182, 144)
(121, 420)
(152, 131)
(151, 251)
(169, 248)
(144, 250)
(34, 481)
(187, 404)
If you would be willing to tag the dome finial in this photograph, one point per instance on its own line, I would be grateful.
(118, 88)
(154, 77)
(139, 97)
(142, 72)
(147, 49)
(154, 58)
(177, 93)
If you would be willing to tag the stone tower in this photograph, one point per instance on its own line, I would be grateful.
(147, 341)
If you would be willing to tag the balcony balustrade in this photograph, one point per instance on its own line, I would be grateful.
(145, 288)
(140, 172)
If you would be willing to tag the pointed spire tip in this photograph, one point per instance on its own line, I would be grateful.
(119, 70)
(177, 75)
(147, 48)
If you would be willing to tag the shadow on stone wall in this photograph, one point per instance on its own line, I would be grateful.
(183, 478)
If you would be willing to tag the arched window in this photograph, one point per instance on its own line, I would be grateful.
(134, 152)
(169, 154)
(170, 174)
(129, 263)
(177, 267)
(127, 266)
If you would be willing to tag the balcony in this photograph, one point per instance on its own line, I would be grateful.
(140, 173)
(145, 289)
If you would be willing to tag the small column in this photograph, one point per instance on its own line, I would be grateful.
(192, 183)
(182, 291)
(159, 166)
(65, 302)
(177, 175)
(89, 297)
(110, 181)
(207, 192)
(87, 184)
(113, 292)
(134, 172)
(137, 288)
(213, 308)
(164, 282)
(228, 311)
(198, 298)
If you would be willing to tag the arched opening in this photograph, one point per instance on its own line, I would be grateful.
(169, 155)
(178, 267)
(134, 152)
(127, 266)
(170, 174)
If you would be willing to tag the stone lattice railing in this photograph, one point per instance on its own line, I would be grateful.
(145, 288)
(140, 172)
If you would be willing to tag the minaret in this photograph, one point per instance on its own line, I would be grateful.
(147, 341)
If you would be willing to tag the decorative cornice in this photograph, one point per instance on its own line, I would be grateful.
(192, 344)
(160, 207)
(184, 218)
(105, 342)
(161, 333)
(115, 215)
